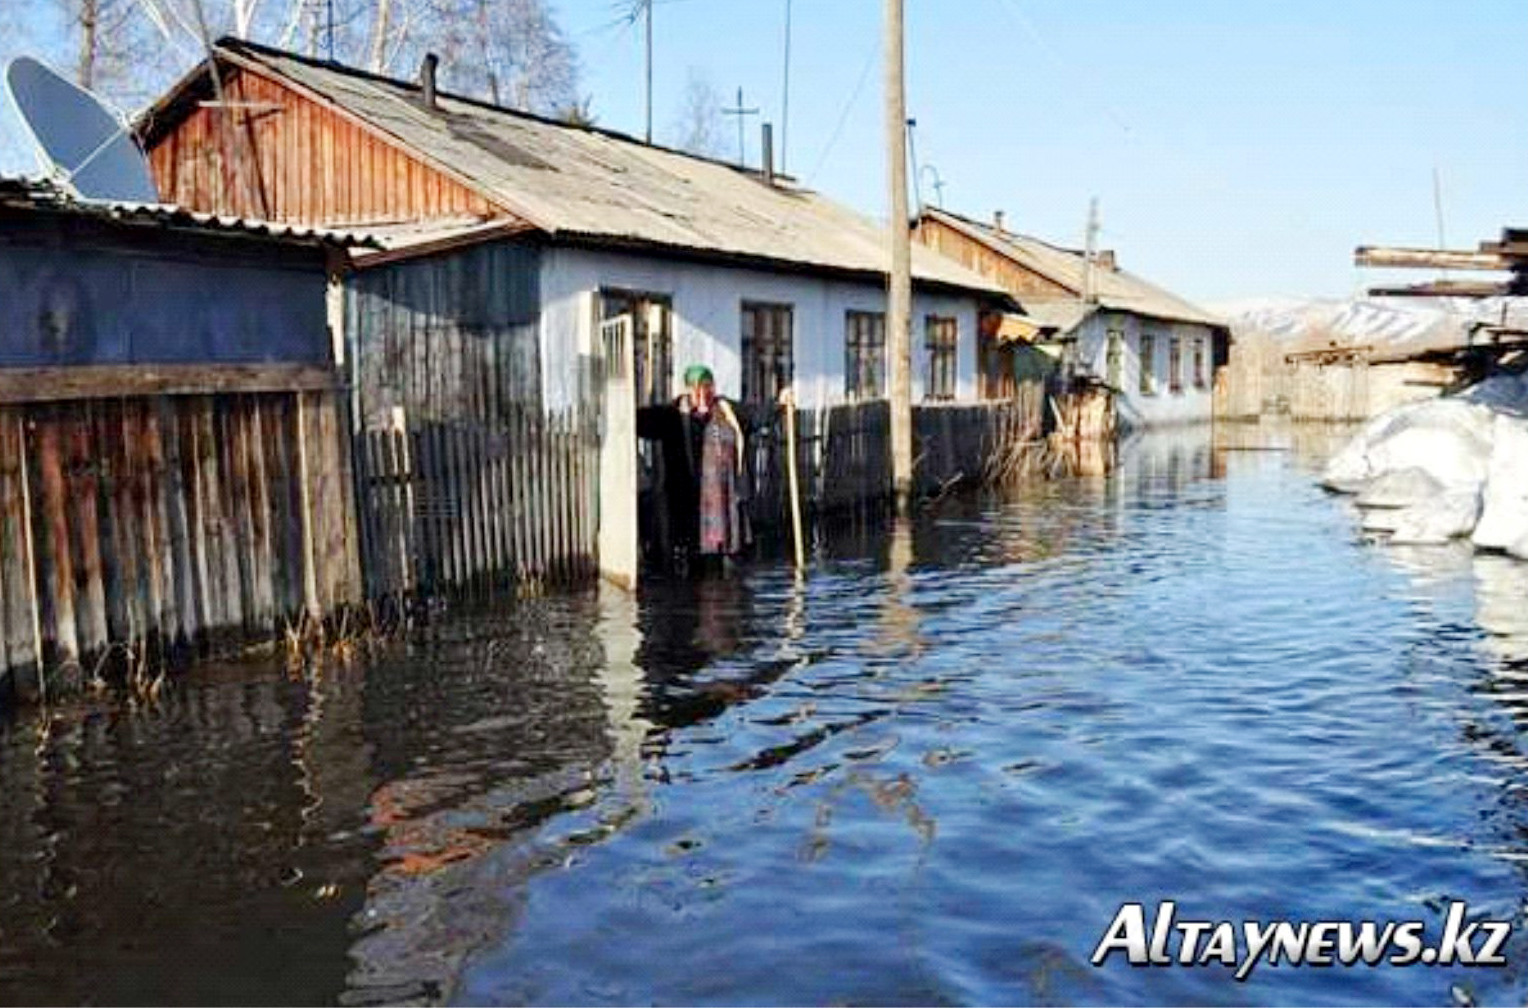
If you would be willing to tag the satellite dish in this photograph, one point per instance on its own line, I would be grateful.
(88, 147)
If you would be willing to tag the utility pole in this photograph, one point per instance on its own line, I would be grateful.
(1438, 210)
(899, 293)
(647, 9)
(785, 90)
(742, 116)
(1090, 253)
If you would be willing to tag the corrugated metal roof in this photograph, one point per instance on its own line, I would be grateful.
(39, 193)
(1115, 289)
(582, 184)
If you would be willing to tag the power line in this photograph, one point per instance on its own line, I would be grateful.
(785, 89)
(843, 116)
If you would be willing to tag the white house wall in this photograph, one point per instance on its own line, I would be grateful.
(1192, 404)
(707, 320)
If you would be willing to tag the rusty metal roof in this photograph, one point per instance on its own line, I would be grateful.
(44, 194)
(1114, 289)
(589, 185)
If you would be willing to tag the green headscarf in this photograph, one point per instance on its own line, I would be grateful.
(697, 373)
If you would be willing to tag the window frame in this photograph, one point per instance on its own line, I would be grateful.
(1147, 354)
(1200, 378)
(1175, 365)
(1114, 357)
(775, 321)
(864, 356)
(941, 344)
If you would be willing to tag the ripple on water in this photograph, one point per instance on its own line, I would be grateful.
(929, 773)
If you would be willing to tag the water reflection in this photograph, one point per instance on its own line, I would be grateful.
(930, 771)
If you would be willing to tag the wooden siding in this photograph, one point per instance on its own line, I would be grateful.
(79, 293)
(312, 164)
(161, 522)
(446, 338)
(977, 257)
(465, 480)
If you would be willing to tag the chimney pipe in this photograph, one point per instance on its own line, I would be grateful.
(767, 154)
(997, 220)
(427, 79)
(1106, 260)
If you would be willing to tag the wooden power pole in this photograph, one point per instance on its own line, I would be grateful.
(647, 9)
(899, 295)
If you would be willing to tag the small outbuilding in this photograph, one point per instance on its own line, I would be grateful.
(174, 466)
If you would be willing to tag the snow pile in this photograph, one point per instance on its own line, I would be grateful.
(1436, 470)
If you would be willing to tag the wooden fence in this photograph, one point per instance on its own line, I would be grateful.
(456, 505)
(844, 456)
(155, 523)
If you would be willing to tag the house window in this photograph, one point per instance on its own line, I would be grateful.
(864, 355)
(1116, 358)
(1174, 365)
(652, 341)
(940, 337)
(1199, 381)
(1148, 364)
(767, 364)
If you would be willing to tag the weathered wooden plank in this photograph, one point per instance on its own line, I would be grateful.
(177, 492)
(228, 522)
(83, 488)
(404, 464)
(514, 490)
(17, 600)
(56, 566)
(560, 487)
(534, 485)
(264, 602)
(232, 457)
(206, 535)
(127, 521)
(494, 447)
(106, 434)
(60, 384)
(160, 483)
(286, 521)
(461, 492)
(338, 558)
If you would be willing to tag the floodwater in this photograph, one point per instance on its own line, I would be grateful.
(930, 773)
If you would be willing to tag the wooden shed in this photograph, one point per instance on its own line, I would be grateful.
(174, 470)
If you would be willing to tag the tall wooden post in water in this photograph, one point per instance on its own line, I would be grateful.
(899, 281)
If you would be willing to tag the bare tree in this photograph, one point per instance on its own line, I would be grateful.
(510, 51)
(698, 125)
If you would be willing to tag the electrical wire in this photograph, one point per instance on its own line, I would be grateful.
(843, 116)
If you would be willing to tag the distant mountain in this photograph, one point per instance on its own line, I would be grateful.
(1391, 323)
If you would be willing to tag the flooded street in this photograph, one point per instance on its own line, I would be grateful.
(930, 773)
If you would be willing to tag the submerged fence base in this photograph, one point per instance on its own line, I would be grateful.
(844, 454)
(145, 526)
(452, 506)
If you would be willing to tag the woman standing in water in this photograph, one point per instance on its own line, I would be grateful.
(703, 499)
(718, 442)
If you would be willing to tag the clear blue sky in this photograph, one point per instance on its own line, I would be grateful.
(1238, 147)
